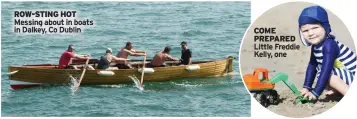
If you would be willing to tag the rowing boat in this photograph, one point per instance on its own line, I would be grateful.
(26, 76)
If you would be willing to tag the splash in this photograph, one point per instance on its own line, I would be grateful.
(74, 84)
(136, 81)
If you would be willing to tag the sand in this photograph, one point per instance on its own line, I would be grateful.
(287, 106)
(284, 19)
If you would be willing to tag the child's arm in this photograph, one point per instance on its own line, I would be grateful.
(310, 71)
(330, 52)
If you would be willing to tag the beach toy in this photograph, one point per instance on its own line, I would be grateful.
(284, 77)
(261, 89)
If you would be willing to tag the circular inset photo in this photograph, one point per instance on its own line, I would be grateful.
(298, 59)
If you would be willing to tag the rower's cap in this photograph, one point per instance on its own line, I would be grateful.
(71, 46)
(109, 50)
(183, 43)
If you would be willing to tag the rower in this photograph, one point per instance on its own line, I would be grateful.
(104, 62)
(160, 57)
(68, 55)
(185, 54)
(125, 52)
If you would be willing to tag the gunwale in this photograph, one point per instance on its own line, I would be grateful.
(48, 74)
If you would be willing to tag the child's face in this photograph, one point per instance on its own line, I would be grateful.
(313, 33)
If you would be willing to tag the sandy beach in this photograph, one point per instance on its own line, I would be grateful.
(285, 19)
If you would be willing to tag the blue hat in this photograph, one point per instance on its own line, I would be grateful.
(313, 15)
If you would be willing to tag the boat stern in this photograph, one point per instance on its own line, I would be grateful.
(18, 84)
(230, 64)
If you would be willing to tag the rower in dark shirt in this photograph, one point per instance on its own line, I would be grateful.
(186, 57)
(104, 62)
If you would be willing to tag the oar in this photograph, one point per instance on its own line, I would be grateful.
(80, 79)
(142, 73)
(134, 63)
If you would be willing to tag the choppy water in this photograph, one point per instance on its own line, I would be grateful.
(212, 29)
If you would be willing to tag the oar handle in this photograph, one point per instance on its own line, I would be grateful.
(81, 61)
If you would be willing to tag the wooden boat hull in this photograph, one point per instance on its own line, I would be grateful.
(24, 76)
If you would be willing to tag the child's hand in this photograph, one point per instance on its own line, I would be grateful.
(304, 91)
(310, 96)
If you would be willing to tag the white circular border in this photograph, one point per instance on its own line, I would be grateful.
(344, 11)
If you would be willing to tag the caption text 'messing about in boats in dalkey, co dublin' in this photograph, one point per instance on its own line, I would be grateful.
(48, 22)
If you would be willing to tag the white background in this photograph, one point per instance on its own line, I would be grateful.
(346, 11)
